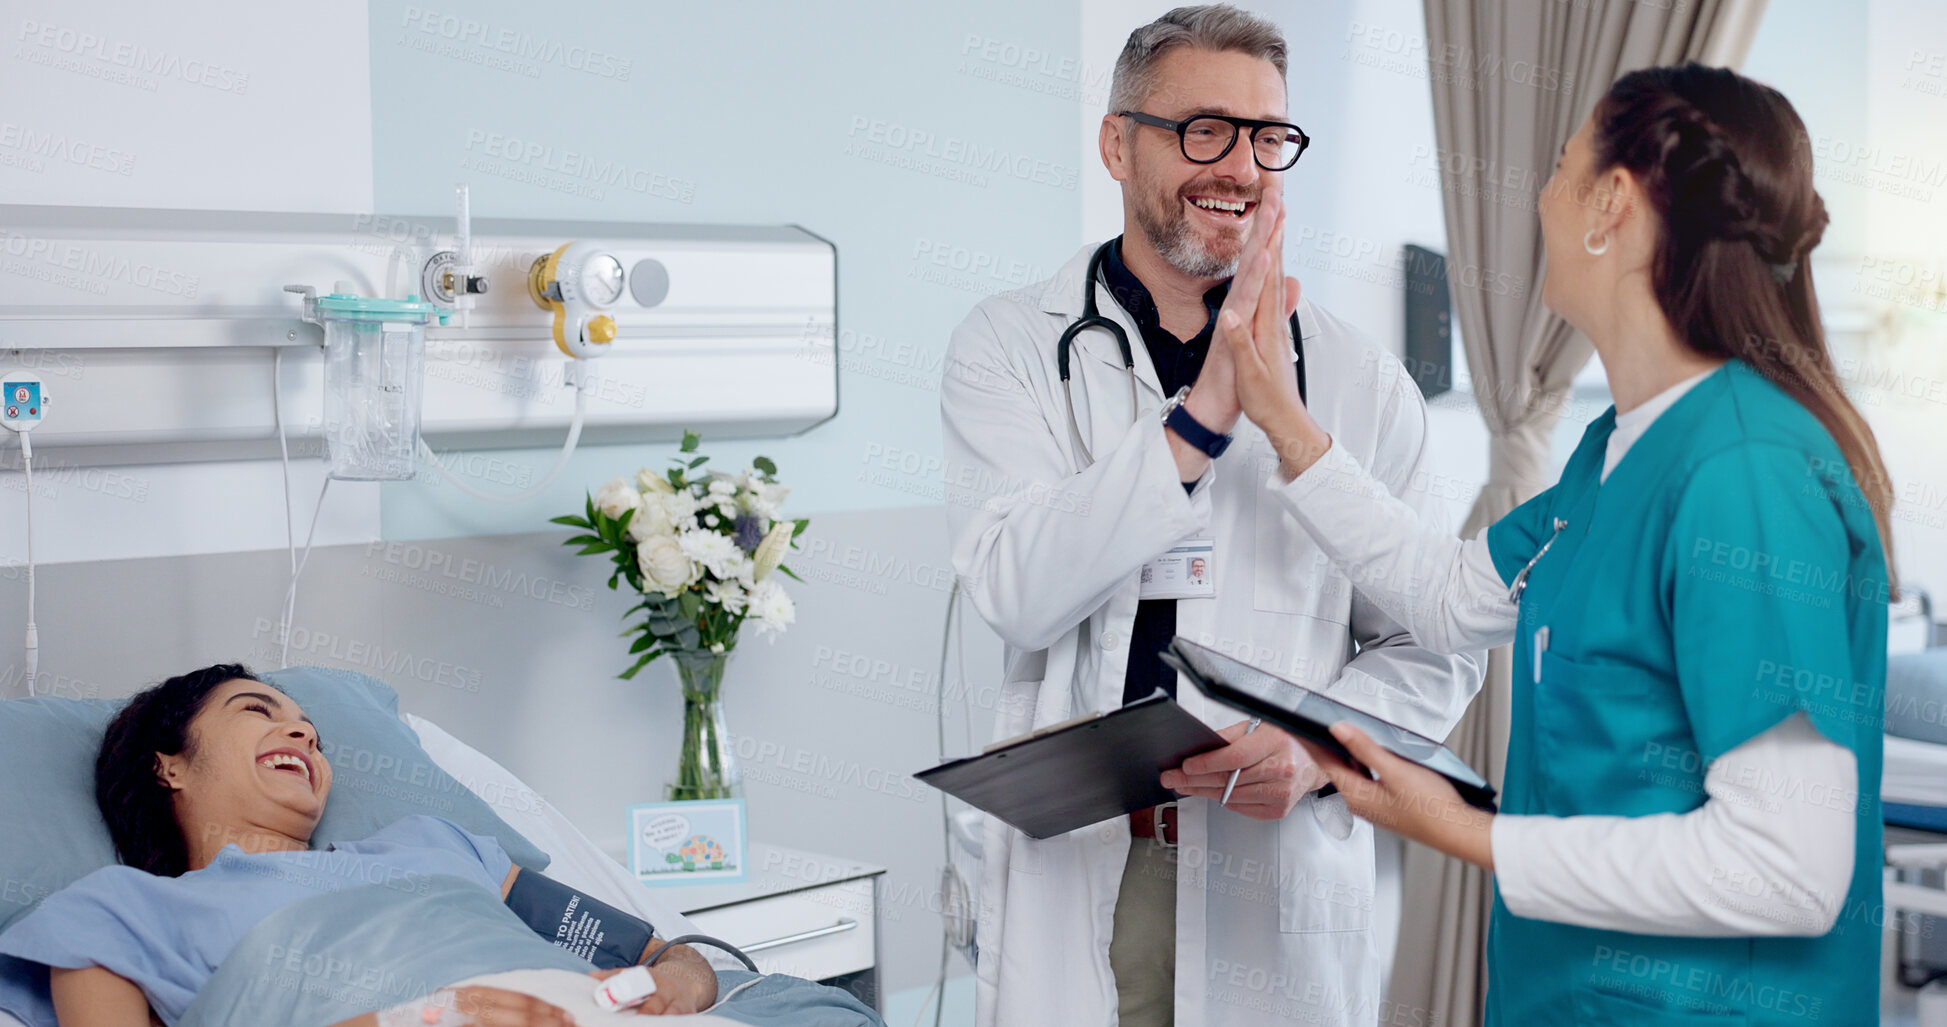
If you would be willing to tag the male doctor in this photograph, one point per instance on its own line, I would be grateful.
(1071, 536)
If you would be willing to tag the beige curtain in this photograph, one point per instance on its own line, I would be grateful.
(1512, 80)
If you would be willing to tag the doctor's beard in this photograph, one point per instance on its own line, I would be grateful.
(1166, 223)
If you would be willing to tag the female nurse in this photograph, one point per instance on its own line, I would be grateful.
(1689, 830)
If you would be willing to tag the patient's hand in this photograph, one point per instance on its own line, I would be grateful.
(475, 1006)
(680, 988)
(494, 1007)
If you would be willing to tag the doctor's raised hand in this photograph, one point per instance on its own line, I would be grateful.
(1252, 332)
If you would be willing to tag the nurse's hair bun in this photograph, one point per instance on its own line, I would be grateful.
(1703, 186)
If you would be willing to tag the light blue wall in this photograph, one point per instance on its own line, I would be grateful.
(755, 104)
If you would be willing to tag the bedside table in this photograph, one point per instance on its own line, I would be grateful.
(797, 913)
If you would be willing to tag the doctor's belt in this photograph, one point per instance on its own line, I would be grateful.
(1143, 823)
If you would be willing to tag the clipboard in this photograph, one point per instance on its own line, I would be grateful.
(1310, 715)
(1080, 772)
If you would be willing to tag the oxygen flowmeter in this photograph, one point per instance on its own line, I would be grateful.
(578, 283)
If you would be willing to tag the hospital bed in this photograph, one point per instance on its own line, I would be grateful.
(575, 860)
(1913, 796)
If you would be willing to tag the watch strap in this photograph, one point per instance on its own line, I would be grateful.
(1190, 430)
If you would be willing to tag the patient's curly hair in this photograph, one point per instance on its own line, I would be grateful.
(138, 806)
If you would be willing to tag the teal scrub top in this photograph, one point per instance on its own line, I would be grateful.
(1728, 574)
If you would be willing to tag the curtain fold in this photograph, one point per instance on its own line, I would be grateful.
(1511, 81)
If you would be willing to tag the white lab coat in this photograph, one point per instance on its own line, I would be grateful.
(1272, 918)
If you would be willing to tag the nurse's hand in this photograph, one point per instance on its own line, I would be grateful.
(1276, 772)
(1255, 327)
(1407, 799)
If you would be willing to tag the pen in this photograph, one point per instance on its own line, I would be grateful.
(1225, 801)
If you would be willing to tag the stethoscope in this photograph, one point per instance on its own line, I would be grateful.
(1521, 577)
(1093, 318)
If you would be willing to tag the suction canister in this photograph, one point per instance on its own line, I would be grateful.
(375, 370)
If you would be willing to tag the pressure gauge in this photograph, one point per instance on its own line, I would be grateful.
(601, 279)
(578, 281)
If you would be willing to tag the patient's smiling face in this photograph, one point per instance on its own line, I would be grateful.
(252, 767)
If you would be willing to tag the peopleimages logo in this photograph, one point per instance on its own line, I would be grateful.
(39, 147)
(95, 56)
(924, 144)
(90, 269)
(516, 44)
(573, 167)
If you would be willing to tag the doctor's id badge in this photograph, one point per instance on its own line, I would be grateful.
(1185, 572)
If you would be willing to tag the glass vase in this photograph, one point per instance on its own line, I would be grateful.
(708, 767)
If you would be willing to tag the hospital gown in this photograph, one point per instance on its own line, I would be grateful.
(168, 935)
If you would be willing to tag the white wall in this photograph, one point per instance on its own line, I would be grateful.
(117, 105)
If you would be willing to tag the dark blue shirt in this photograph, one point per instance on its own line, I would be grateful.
(1178, 362)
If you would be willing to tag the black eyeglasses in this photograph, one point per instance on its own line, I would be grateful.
(1207, 138)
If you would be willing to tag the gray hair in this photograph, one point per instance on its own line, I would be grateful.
(1218, 27)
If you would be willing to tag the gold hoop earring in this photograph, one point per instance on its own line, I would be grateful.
(1589, 246)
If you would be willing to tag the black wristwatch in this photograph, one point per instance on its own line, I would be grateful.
(1211, 443)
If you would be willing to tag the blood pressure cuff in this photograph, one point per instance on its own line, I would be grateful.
(585, 926)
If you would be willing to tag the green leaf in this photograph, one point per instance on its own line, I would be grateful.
(789, 573)
(691, 440)
(642, 643)
(691, 604)
(698, 462)
(798, 526)
(570, 520)
(639, 664)
(595, 547)
(763, 463)
(613, 578)
(582, 540)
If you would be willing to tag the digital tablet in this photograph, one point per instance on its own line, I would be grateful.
(1310, 715)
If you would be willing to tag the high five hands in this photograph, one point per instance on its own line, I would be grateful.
(1253, 347)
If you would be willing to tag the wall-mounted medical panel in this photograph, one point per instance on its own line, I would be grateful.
(154, 329)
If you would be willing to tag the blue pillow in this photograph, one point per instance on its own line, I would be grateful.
(53, 835)
(1916, 695)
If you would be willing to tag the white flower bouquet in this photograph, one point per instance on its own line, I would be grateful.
(704, 550)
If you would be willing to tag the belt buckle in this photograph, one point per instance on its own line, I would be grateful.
(1165, 831)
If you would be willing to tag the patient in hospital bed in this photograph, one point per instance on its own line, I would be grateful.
(211, 784)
